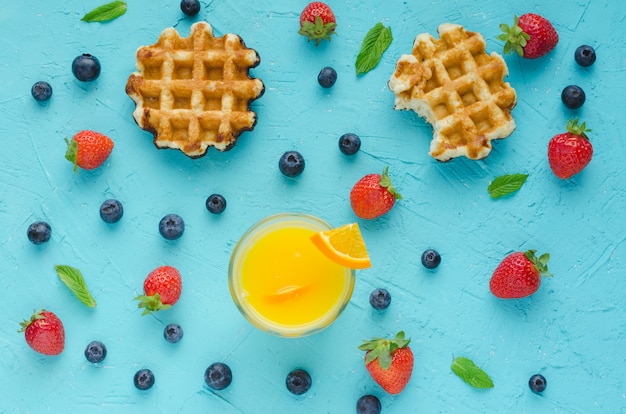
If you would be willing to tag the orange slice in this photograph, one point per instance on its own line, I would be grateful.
(344, 245)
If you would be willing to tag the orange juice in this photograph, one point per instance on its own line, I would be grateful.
(282, 283)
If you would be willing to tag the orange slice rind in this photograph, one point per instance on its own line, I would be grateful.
(343, 245)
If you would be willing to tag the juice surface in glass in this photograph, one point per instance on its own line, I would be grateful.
(281, 281)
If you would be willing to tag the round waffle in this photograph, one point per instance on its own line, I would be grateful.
(193, 93)
(459, 89)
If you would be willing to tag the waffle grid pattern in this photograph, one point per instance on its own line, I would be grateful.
(459, 89)
(193, 93)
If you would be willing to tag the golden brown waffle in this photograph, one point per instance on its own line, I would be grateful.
(192, 93)
(459, 89)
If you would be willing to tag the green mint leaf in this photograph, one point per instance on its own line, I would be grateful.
(106, 12)
(376, 41)
(470, 373)
(506, 184)
(74, 280)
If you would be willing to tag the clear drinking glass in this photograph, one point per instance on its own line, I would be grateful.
(282, 283)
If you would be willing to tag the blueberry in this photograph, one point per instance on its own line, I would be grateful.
(573, 96)
(190, 7)
(144, 379)
(380, 299)
(298, 381)
(95, 352)
(86, 68)
(291, 164)
(218, 376)
(173, 333)
(537, 383)
(215, 203)
(111, 211)
(431, 258)
(585, 55)
(39, 232)
(171, 226)
(368, 404)
(41, 91)
(327, 77)
(349, 143)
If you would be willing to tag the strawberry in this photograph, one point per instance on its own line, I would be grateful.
(531, 36)
(162, 288)
(389, 362)
(571, 151)
(519, 275)
(88, 149)
(317, 22)
(44, 333)
(373, 195)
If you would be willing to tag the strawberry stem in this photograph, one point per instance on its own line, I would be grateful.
(72, 150)
(37, 314)
(382, 348)
(540, 263)
(385, 181)
(576, 129)
(151, 303)
(317, 31)
(514, 37)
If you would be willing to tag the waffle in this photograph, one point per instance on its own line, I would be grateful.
(459, 89)
(193, 93)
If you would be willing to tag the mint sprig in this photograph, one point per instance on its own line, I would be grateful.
(506, 184)
(376, 41)
(74, 280)
(470, 373)
(106, 12)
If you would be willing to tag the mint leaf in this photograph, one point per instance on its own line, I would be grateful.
(376, 41)
(73, 279)
(106, 12)
(506, 184)
(470, 373)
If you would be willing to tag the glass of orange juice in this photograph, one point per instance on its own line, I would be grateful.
(282, 283)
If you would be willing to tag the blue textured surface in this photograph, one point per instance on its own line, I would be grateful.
(571, 331)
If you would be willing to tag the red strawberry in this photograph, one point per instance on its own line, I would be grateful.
(570, 152)
(389, 362)
(373, 195)
(317, 22)
(44, 333)
(519, 275)
(162, 289)
(88, 149)
(531, 36)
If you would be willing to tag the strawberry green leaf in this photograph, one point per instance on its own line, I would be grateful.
(514, 37)
(376, 41)
(470, 373)
(540, 263)
(106, 12)
(37, 314)
(385, 181)
(576, 129)
(74, 280)
(506, 184)
(382, 348)
(151, 304)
